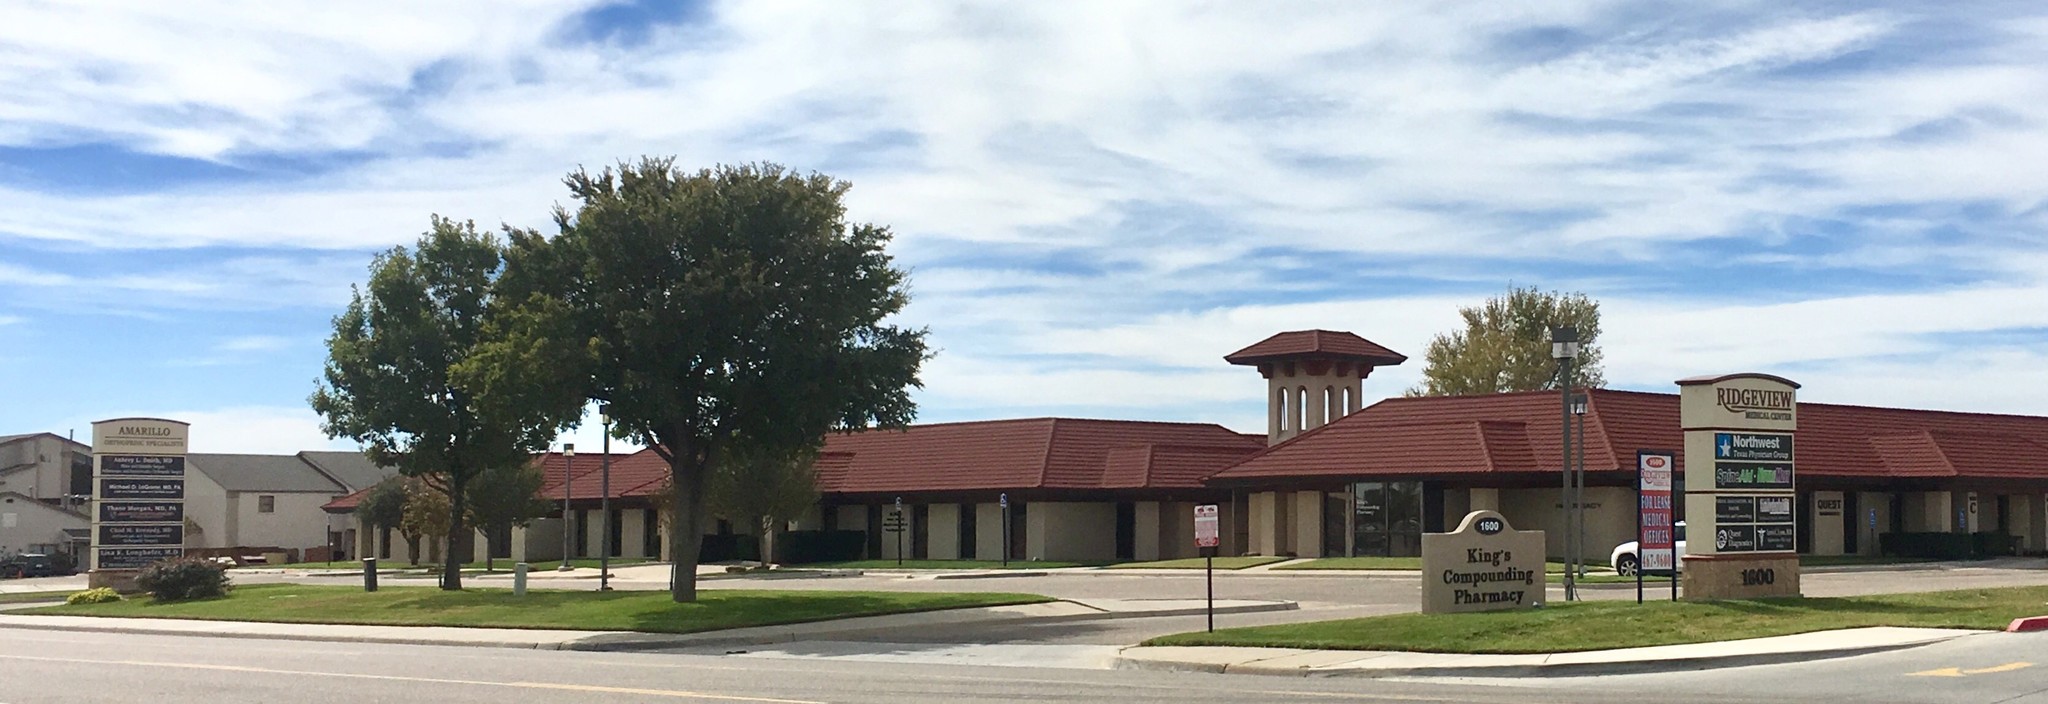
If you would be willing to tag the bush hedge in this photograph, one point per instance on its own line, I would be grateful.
(184, 579)
(98, 595)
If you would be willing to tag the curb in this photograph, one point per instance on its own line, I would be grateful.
(386, 640)
(636, 642)
(2027, 625)
(1588, 669)
(624, 641)
(983, 575)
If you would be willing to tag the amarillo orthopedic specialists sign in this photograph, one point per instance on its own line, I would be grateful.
(1484, 565)
(139, 493)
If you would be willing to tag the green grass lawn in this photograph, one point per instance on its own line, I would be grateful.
(650, 612)
(1357, 563)
(944, 565)
(1611, 578)
(1599, 625)
(1837, 560)
(1196, 563)
(25, 597)
(503, 565)
(1377, 563)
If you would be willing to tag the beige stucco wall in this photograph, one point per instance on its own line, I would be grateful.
(51, 475)
(207, 508)
(1150, 533)
(1307, 516)
(1866, 540)
(988, 531)
(1826, 532)
(944, 538)
(1271, 533)
(633, 532)
(27, 525)
(1610, 518)
(891, 541)
(1070, 531)
(297, 522)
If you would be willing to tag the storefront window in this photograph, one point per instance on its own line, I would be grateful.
(1386, 519)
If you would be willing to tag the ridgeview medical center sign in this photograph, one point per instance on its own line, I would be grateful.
(1740, 505)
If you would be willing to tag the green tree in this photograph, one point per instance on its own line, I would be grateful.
(505, 497)
(735, 302)
(1504, 346)
(766, 487)
(426, 517)
(383, 507)
(393, 378)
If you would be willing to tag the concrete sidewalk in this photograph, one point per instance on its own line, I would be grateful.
(1048, 612)
(1356, 663)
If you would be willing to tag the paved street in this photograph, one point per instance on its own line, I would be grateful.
(1997, 667)
(48, 668)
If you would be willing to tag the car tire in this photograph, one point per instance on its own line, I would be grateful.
(1627, 566)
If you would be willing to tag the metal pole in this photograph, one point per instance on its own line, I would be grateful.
(568, 489)
(1639, 531)
(1579, 534)
(1209, 582)
(1565, 472)
(604, 533)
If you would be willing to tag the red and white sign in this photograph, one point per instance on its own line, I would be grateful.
(1208, 531)
(1654, 511)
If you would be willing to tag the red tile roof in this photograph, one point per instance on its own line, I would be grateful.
(346, 504)
(1328, 344)
(1031, 453)
(1518, 433)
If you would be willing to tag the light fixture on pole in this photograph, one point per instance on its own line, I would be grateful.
(568, 489)
(604, 554)
(1564, 347)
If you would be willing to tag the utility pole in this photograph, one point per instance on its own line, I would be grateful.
(1564, 347)
(568, 490)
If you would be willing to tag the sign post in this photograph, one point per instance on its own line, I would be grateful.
(138, 513)
(1739, 505)
(895, 524)
(1208, 535)
(1656, 529)
(1003, 500)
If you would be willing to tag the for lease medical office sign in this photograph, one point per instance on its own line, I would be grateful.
(1655, 523)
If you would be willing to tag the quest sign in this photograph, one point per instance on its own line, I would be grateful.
(139, 495)
(1484, 565)
(1740, 427)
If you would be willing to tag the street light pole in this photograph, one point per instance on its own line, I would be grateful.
(1564, 347)
(568, 490)
(604, 533)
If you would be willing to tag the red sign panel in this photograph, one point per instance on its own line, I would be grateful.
(1655, 515)
(1208, 531)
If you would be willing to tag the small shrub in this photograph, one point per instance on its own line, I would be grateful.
(100, 595)
(183, 579)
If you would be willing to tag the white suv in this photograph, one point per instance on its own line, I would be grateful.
(1626, 561)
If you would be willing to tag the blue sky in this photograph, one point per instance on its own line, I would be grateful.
(1097, 201)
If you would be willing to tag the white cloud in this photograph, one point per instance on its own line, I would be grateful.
(1101, 201)
(253, 343)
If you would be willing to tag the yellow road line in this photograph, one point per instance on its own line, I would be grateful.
(2008, 667)
(676, 693)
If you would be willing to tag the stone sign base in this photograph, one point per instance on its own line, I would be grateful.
(1716, 577)
(122, 581)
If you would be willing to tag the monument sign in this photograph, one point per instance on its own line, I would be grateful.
(1739, 500)
(1484, 565)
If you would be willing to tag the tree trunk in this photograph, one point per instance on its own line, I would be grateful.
(459, 539)
(767, 541)
(412, 549)
(686, 532)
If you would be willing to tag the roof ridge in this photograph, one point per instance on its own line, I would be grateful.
(1052, 435)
